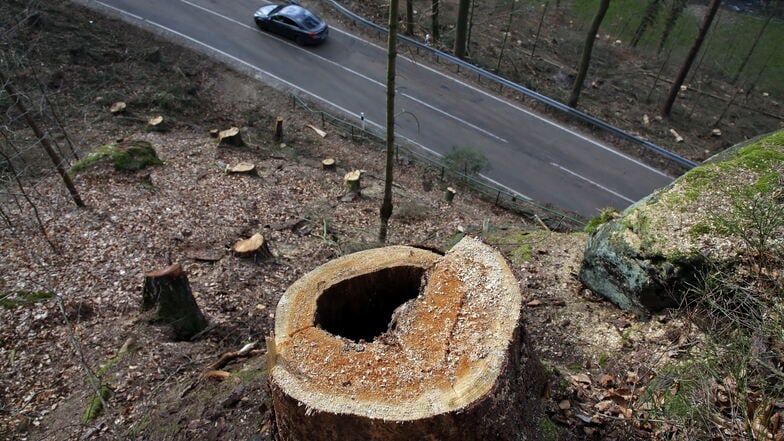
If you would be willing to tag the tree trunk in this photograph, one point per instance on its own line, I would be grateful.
(461, 33)
(648, 17)
(434, 5)
(751, 49)
(169, 290)
(386, 206)
(676, 10)
(410, 18)
(695, 48)
(585, 60)
(41, 137)
(401, 344)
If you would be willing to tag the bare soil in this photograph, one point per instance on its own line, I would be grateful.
(55, 352)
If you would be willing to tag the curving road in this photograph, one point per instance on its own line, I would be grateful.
(534, 157)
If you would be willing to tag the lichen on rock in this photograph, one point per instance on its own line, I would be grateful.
(719, 213)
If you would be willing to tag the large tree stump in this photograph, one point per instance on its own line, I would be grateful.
(169, 290)
(400, 344)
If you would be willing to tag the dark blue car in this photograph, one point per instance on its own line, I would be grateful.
(292, 21)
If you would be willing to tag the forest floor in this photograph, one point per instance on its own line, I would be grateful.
(54, 350)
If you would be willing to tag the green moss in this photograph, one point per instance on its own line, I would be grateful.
(20, 298)
(102, 153)
(767, 183)
(604, 216)
(95, 404)
(130, 156)
(523, 253)
(548, 430)
(699, 229)
(604, 357)
(759, 157)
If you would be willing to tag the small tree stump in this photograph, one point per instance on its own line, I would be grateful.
(351, 181)
(449, 195)
(278, 128)
(231, 137)
(400, 344)
(117, 108)
(328, 164)
(169, 290)
(242, 167)
(214, 133)
(157, 124)
(255, 246)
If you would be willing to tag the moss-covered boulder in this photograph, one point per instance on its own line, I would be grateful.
(130, 156)
(724, 214)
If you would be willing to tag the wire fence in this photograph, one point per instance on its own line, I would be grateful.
(551, 217)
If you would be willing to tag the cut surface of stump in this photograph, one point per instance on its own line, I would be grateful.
(328, 164)
(242, 167)
(230, 136)
(169, 291)
(401, 343)
(255, 246)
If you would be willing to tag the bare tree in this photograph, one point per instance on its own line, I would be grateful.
(648, 17)
(386, 205)
(585, 59)
(752, 48)
(461, 32)
(410, 18)
(434, 20)
(672, 18)
(713, 7)
(43, 139)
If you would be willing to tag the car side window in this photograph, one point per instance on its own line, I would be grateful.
(285, 20)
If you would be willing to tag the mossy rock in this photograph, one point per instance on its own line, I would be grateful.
(647, 258)
(20, 298)
(130, 156)
(135, 155)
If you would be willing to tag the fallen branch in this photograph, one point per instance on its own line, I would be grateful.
(246, 351)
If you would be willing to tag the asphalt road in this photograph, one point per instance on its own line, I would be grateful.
(534, 157)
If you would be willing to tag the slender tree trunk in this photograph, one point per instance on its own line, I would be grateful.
(675, 13)
(506, 36)
(386, 206)
(461, 33)
(434, 20)
(751, 49)
(539, 28)
(56, 159)
(651, 12)
(695, 48)
(410, 18)
(585, 60)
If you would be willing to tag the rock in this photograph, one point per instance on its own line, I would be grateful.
(664, 242)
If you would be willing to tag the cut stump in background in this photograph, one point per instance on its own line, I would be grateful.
(328, 164)
(169, 290)
(256, 246)
(401, 343)
(230, 136)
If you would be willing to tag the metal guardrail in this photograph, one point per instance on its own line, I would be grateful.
(527, 92)
(554, 219)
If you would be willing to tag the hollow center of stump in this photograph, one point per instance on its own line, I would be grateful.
(361, 308)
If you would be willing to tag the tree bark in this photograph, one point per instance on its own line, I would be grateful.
(461, 32)
(695, 48)
(56, 159)
(587, 49)
(169, 290)
(451, 362)
(434, 6)
(386, 206)
(410, 18)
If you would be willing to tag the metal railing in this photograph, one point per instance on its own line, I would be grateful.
(552, 218)
(525, 91)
